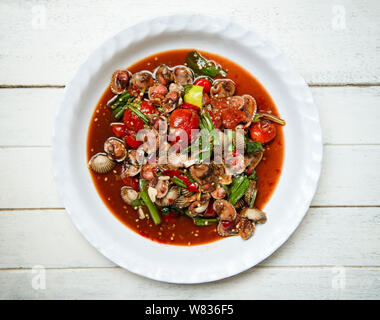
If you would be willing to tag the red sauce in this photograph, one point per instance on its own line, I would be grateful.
(181, 230)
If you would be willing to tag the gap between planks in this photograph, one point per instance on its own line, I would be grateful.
(325, 267)
(312, 85)
(311, 207)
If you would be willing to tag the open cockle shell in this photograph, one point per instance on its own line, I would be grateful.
(120, 81)
(115, 149)
(254, 214)
(128, 194)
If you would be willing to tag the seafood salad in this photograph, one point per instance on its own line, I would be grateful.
(182, 145)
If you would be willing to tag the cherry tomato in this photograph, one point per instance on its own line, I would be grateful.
(147, 107)
(132, 121)
(185, 119)
(263, 131)
(131, 182)
(118, 129)
(132, 142)
(205, 83)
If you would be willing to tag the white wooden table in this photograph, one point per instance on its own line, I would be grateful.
(335, 253)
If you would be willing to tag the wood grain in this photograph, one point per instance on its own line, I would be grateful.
(348, 177)
(326, 237)
(256, 283)
(349, 115)
(339, 236)
(49, 53)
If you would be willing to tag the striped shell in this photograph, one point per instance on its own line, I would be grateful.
(240, 204)
(186, 193)
(100, 163)
(170, 197)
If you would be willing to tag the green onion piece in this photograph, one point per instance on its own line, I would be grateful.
(190, 177)
(203, 222)
(136, 111)
(118, 113)
(150, 205)
(121, 100)
(179, 182)
(254, 194)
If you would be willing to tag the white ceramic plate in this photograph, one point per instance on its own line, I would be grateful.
(291, 199)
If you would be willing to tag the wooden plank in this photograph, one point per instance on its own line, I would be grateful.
(49, 238)
(349, 115)
(257, 283)
(44, 42)
(349, 177)
(326, 237)
(27, 116)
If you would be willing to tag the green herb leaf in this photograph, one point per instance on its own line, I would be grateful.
(253, 147)
(201, 66)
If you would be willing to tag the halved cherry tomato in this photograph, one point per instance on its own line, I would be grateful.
(118, 129)
(185, 119)
(132, 121)
(147, 107)
(263, 131)
(131, 182)
(205, 83)
(132, 142)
